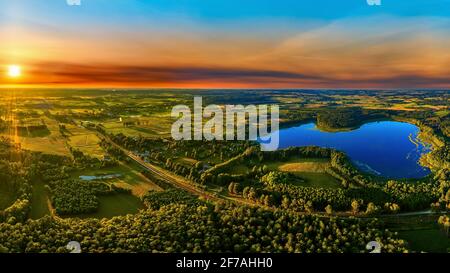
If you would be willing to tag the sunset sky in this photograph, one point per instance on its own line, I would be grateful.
(226, 43)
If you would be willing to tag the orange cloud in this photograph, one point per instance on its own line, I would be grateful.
(379, 52)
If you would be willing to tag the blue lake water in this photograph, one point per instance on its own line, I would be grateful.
(383, 148)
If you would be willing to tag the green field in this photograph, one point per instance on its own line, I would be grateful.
(239, 169)
(186, 161)
(115, 205)
(78, 119)
(84, 140)
(148, 126)
(311, 170)
(318, 180)
(7, 197)
(420, 231)
(130, 178)
(296, 164)
(39, 201)
(50, 142)
(427, 240)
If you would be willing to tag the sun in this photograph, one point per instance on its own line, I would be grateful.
(14, 71)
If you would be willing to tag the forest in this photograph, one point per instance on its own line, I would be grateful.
(214, 196)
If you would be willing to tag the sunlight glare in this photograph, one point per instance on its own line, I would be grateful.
(14, 71)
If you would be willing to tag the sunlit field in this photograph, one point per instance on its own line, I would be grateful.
(130, 128)
(96, 155)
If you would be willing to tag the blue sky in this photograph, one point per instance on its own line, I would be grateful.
(281, 43)
(210, 11)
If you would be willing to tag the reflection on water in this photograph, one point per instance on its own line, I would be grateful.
(387, 148)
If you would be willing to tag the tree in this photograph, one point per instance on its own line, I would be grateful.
(372, 209)
(245, 192)
(251, 194)
(436, 207)
(267, 200)
(445, 222)
(329, 209)
(285, 202)
(231, 188)
(236, 188)
(355, 206)
(395, 208)
(309, 206)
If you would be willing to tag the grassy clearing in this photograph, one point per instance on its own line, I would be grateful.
(318, 180)
(442, 113)
(7, 197)
(420, 231)
(131, 178)
(239, 169)
(154, 127)
(116, 127)
(39, 201)
(50, 143)
(428, 240)
(88, 144)
(300, 165)
(186, 161)
(39, 133)
(311, 170)
(307, 166)
(134, 180)
(115, 205)
(84, 140)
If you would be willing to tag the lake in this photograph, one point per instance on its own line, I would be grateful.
(385, 148)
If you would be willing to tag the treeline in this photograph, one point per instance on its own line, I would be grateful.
(77, 197)
(412, 196)
(209, 152)
(341, 167)
(278, 190)
(199, 229)
(167, 153)
(307, 199)
(349, 117)
(113, 151)
(81, 161)
(15, 182)
(443, 204)
(71, 196)
(435, 130)
(157, 199)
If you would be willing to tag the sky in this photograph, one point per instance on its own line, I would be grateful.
(226, 43)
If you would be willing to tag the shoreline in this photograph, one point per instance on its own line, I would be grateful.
(420, 140)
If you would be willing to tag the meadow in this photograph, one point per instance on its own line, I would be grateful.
(426, 240)
(7, 196)
(312, 171)
(40, 202)
(130, 178)
(190, 183)
(114, 205)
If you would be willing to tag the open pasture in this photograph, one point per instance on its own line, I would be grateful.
(114, 205)
(84, 140)
(130, 178)
(311, 170)
(7, 196)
